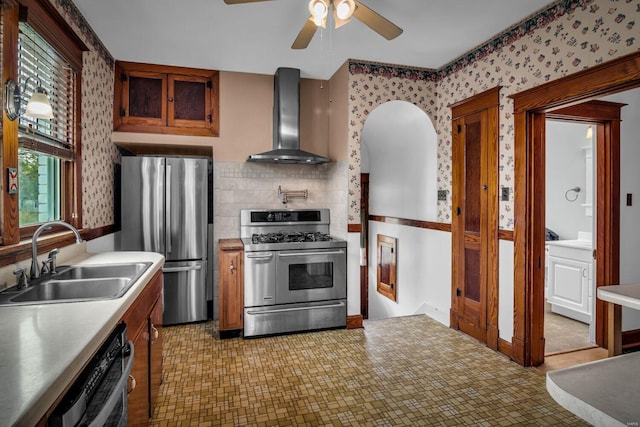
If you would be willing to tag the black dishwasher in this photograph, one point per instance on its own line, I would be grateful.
(99, 395)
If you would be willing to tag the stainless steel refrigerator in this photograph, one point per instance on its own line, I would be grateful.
(164, 210)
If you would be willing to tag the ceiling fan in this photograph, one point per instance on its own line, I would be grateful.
(343, 10)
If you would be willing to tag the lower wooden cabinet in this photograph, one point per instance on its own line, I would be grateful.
(231, 286)
(139, 381)
(144, 328)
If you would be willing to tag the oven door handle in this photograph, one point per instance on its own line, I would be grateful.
(283, 310)
(117, 392)
(260, 255)
(292, 254)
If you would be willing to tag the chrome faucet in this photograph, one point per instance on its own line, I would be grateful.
(35, 273)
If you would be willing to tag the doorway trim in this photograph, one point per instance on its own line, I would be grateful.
(606, 118)
(530, 108)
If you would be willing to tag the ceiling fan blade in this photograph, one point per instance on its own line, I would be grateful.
(242, 1)
(376, 22)
(305, 35)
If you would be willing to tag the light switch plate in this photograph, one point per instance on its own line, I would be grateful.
(505, 194)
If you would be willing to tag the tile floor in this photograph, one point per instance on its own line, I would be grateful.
(400, 371)
(564, 334)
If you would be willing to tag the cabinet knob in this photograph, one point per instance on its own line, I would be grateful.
(132, 384)
(154, 333)
(231, 266)
(170, 99)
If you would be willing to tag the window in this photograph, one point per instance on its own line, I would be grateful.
(40, 50)
(43, 144)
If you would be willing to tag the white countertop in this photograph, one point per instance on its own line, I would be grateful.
(43, 347)
(604, 393)
(625, 295)
(578, 244)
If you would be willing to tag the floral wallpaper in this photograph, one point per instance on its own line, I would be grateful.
(371, 85)
(98, 153)
(566, 37)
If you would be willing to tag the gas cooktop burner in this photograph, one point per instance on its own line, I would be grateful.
(284, 237)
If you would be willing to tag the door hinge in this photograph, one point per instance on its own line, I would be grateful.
(458, 292)
(209, 84)
(459, 128)
(458, 211)
(209, 118)
(594, 254)
(539, 262)
(123, 112)
(123, 77)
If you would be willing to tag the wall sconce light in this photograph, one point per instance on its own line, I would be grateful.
(38, 106)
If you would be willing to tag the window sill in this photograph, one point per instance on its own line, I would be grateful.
(21, 251)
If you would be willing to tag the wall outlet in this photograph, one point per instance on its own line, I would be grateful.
(442, 195)
(505, 194)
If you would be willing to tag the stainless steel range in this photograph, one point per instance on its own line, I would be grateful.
(295, 273)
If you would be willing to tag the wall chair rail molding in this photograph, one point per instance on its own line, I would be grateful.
(429, 225)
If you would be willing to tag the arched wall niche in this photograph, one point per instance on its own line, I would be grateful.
(399, 151)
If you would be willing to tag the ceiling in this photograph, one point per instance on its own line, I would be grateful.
(257, 37)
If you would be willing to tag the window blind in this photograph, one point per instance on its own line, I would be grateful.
(40, 65)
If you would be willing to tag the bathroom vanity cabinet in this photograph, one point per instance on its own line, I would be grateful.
(569, 278)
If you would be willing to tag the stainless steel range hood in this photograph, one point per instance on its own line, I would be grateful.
(286, 123)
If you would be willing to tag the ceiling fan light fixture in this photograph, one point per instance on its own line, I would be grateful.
(319, 10)
(344, 9)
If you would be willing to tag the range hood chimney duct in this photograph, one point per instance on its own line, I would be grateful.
(286, 123)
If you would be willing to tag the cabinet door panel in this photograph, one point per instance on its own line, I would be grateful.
(231, 292)
(139, 397)
(145, 94)
(569, 284)
(190, 103)
(189, 100)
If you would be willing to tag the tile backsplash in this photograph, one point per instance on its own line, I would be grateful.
(254, 185)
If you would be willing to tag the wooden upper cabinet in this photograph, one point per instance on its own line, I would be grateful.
(163, 99)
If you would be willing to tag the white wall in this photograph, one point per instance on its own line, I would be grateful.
(107, 243)
(629, 183)
(505, 290)
(353, 274)
(565, 169)
(400, 153)
(423, 282)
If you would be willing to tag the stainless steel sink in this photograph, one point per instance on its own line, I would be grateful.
(76, 272)
(78, 283)
(55, 290)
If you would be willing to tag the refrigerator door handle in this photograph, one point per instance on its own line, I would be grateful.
(168, 230)
(179, 269)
